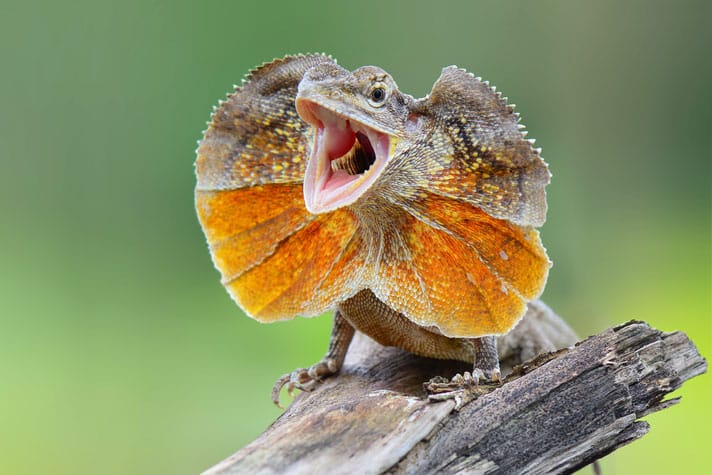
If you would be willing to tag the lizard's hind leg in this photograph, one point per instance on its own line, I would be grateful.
(306, 378)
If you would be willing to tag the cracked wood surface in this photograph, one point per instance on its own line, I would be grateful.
(554, 414)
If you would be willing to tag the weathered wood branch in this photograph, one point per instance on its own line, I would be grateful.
(554, 414)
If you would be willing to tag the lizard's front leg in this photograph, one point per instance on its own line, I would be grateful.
(486, 367)
(306, 378)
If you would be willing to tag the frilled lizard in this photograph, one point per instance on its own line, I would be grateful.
(414, 219)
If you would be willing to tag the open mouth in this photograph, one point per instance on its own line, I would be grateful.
(347, 157)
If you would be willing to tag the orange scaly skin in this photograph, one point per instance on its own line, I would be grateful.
(322, 189)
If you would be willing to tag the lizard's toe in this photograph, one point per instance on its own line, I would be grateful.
(462, 388)
(277, 388)
(304, 379)
(489, 376)
(297, 379)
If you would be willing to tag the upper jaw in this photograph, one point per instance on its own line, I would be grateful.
(347, 156)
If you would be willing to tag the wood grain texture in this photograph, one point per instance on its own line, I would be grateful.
(554, 414)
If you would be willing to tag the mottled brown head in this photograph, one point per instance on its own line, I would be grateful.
(315, 183)
(357, 117)
(368, 95)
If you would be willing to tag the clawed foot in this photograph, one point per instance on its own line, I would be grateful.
(463, 388)
(304, 379)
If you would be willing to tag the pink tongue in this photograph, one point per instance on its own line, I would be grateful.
(338, 140)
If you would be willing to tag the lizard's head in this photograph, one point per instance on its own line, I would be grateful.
(355, 116)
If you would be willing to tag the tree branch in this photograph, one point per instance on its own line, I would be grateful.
(554, 414)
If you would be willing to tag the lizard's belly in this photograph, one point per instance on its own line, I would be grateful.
(374, 318)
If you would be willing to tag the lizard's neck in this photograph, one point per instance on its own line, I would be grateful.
(382, 223)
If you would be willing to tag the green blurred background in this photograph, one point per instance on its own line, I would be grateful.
(119, 350)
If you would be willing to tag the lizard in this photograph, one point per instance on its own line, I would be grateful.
(414, 220)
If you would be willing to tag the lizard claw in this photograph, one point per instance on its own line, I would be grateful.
(462, 388)
(486, 376)
(304, 379)
(297, 379)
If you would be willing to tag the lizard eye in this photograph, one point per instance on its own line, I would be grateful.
(377, 95)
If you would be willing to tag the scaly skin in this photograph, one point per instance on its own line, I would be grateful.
(320, 188)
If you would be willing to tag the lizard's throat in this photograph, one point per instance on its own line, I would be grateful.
(347, 157)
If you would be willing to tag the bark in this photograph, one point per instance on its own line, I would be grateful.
(553, 414)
